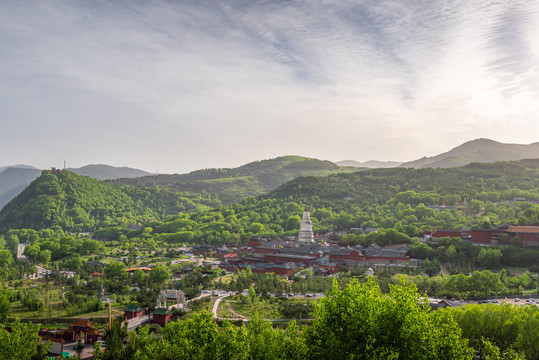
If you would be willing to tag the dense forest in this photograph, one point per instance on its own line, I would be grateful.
(482, 181)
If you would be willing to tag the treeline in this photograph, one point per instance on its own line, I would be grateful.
(459, 254)
(271, 218)
(479, 284)
(507, 327)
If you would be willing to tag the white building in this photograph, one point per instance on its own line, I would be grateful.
(306, 230)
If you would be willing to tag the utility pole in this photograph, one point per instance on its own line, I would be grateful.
(110, 319)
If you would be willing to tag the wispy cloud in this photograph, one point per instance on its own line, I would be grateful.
(179, 85)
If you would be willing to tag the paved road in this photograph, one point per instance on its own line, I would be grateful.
(138, 321)
(216, 305)
(20, 251)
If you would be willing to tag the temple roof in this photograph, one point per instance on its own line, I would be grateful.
(133, 308)
(83, 323)
(162, 311)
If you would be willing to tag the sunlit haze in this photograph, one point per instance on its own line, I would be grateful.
(174, 86)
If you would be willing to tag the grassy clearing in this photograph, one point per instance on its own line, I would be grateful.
(267, 308)
(227, 279)
(264, 308)
(224, 310)
(53, 311)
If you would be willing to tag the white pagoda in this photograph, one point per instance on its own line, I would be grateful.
(306, 230)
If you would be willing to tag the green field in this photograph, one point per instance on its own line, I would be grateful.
(267, 308)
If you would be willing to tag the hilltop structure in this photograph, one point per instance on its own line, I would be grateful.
(306, 230)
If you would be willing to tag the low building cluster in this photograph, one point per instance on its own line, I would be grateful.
(526, 235)
(285, 257)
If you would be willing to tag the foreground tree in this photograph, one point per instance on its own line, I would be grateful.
(360, 322)
(115, 337)
(508, 327)
(23, 342)
(79, 348)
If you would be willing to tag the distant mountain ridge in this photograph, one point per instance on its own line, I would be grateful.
(479, 150)
(13, 180)
(233, 184)
(107, 172)
(260, 177)
(19, 166)
(371, 164)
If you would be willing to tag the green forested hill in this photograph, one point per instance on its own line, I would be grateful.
(14, 179)
(68, 200)
(80, 202)
(492, 181)
(233, 184)
(368, 198)
(399, 202)
(75, 202)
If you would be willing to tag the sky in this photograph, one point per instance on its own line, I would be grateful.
(174, 86)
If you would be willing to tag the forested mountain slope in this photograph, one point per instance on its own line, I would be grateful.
(391, 199)
(14, 179)
(492, 181)
(68, 200)
(366, 198)
(233, 184)
(479, 150)
(74, 202)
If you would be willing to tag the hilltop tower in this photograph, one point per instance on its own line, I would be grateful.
(101, 292)
(306, 229)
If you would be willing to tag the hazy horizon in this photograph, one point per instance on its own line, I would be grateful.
(176, 86)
